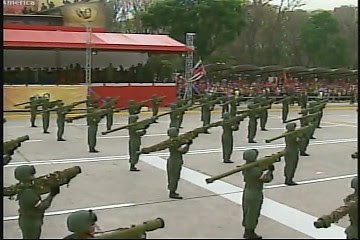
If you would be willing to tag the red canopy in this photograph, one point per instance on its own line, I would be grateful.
(14, 38)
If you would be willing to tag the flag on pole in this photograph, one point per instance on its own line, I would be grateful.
(198, 71)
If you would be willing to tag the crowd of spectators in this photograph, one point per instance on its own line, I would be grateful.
(75, 74)
(48, 5)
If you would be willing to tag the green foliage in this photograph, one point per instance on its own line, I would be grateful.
(321, 41)
(215, 22)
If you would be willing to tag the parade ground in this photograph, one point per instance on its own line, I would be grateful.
(121, 198)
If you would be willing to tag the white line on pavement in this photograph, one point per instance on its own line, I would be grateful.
(164, 154)
(10, 218)
(281, 213)
(127, 136)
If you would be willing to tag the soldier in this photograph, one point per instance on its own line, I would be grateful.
(225, 105)
(252, 200)
(285, 108)
(252, 127)
(46, 115)
(133, 108)
(110, 114)
(175, 162)
(292, 154)
(263, 114)
(352, 230)
(206, 112)
(303, 99)
(32, 208)
(180, 104)
(316, 120)
(34, 101)
(155, 103)
(94, 120)
(134, 142)
(233, 107)
(61, 113)
(305, 140)
(82, 224)
(174, 116)
(227, 138)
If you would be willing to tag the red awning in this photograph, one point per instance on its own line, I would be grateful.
(103, 41)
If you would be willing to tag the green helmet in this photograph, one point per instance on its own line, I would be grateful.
(354, 183)
(173, 132)
(250, 155)
(24, 173)
(226, 116)
(290, 126)
(133, 118)
(81, 221)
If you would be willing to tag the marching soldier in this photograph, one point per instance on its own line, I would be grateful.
(305, 140)
(155, 103)
(227, 138)
(110, 114)
(174, 116)
(61, 113)
(233, 107)
(252, 127)
(134, 142)
(34, 104)
(46, 114)
(292, 154)
(32, 208)
(82, 224)
(285, 107)
(206, 112)
(180, 103)
(252, 200)
(90, 106)
(133, 108)
(263, 114)
(225, 105)
(94, 120)
(174, 163)
(303, 99)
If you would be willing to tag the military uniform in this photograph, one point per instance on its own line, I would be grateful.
(305, 139)
(352, 231)
(252, 127)
(180, 104)
(225, 105)
(110, 115)
(46, 115)
(303, 99)
(34, 101)
(292, 154)
(155, 103)
(174, 163)
(233, 107)
(61, 113)
(94, 120)
(32, 208)
(253, 194)
(206, 113)
(227, 138)
(174, 116)
(285, 109)
(133, 108)
(134, 142)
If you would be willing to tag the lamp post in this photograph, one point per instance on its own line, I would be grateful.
(88, 64)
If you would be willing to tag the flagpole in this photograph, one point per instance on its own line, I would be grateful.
(189, 61)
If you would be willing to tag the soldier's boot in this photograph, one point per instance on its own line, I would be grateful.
(264, 129)
(46, 132)
(312, 137)
(303, 153)
(228, 161)
(250, 234)
(93, 150)
(174, 195)
(33, 125)
(252, 141)
(290, 182)
(61, 139)
(133, 168)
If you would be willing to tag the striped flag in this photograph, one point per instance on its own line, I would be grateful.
(198, 71)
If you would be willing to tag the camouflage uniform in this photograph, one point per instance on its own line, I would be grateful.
(253, 194)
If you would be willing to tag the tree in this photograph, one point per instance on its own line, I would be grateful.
(215, 22)
(322, 42)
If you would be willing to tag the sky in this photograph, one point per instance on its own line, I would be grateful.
(323, 4)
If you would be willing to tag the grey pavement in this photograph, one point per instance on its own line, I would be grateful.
(125, 198)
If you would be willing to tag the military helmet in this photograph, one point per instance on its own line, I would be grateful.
(226, 115)
(290, 126)
(133, 118)
(24, 172)
(81, 221)
(354, 183)
(173, 132)
(250, 155)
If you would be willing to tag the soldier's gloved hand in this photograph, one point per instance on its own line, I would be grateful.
(271, 168)
(54, 191)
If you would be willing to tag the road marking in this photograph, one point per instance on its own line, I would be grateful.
(10, 218)
(127, 136)
(112, 206)
(278, 212)
(165, 154)
(342, 124)
(31, 141)
(283, 128)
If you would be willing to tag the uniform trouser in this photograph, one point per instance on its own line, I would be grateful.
(175, 123)
(155, 111)
(46, 120)
(352, 232)
(232, 113)
(225, 109)
(227, 147)
(313, 128)
(181, 118)
(32, 116)
(251, 205)
(303, 105)
(304, 143)
(173, 167)
(30, 227)
(206, 119)
(252, 130)
(263, 119)
(92, 131)
(319, 119)
(134, 146)
(109, 120)
(291, 162)
(285, 112)
(61, 126)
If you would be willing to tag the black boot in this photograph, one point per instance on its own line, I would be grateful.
(250, 234)
(93, 150)
(290, 182)
(264, 129)
(252, 141)
(33, 125)
(61, 139)
(174, 195)
(133, 168)
(312, 137)
(228, 161)
(304, 154)
(46, 132)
